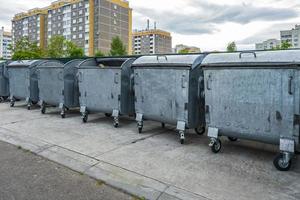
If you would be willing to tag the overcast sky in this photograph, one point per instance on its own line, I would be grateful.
(208, 24)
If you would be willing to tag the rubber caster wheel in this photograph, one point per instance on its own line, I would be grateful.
(280, 164)
(216, 147)
(63, 116)
(232, 139)
(200, 130)
(107, 115)
(43, 110)
(1, 99)
(163, 125)
(140, 130)
(116, 125)
(28, 108)
(182, 141)
(85, 119)
(12, 104)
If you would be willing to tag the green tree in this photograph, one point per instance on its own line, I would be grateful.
(184, 51)
(231, 47)
(24, 49)
(59, 47)
(99, 54)
(72, 50)
(285, 45)
(117, 47)
(56, 47)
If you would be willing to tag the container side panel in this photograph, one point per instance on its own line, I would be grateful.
(51, 85)
(19, 82)
(162, 94)
(100, 89)
(250, 103)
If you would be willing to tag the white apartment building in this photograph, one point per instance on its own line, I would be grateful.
(268, 44)
(5, 42)
(291, 36)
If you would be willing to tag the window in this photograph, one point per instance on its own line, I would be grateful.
(74, 28)
(80, 28)
(115, 7)
(74, 21)
(74, 6)
(80, 20)
(80, 35)
(80, 12)
(74, 37)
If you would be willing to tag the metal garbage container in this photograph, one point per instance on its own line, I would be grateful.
(4, 86)
(254, 96)
(23, 83)
(168, 89)
(58, 85)
(105, 85)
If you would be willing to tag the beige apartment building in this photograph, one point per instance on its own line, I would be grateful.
(151, 41)
(91, 24)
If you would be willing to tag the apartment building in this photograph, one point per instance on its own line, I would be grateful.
(5, 42)
(151, 41)
(31, 25)
(190, 49)
(268, 44)
(91, 24)
(291, 36)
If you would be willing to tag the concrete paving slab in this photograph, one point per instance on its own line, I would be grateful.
(127, 181)
(73, 160)
(176, 193)
(194, 168)
(29, 143)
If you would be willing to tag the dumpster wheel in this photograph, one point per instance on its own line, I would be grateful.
(232, 139)
(216, 145)
(200, 130)
(12, 104)
(280, 164)
(43, 109)
(85, 117)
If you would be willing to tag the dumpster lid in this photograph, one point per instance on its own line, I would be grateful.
(192, 60)
(24, 63)
(51, 64)
(253, 58)
(104, 62)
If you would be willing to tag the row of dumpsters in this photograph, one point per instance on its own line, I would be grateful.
(242, 95)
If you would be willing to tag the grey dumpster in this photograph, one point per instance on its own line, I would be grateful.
(105, 86)
(58, 85)
(254, 96)
(4, 86)
(168, 90)
(23, 83)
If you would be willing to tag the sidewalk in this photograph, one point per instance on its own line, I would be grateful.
(153, 164)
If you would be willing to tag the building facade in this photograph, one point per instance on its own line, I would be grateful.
(5, 42)
(268, 44)
(291, 36)
(91, 24)
(189, 49)
(151, 41)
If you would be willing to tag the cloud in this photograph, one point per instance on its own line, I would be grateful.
(201, 17)
(271, 32)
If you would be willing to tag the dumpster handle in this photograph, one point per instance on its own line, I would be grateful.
(246, 52)
(131, 83)
(60, 76)
(290, 85)
(79, 76)
(200, 84)
(157, 57)
(208, 83)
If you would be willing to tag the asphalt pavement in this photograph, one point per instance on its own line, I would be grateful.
(26, 176)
